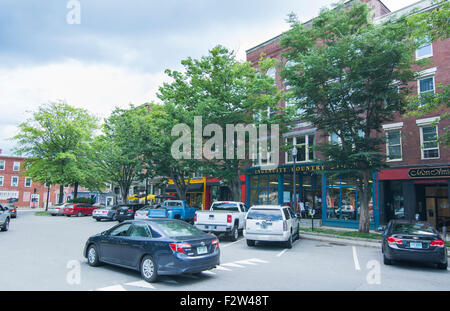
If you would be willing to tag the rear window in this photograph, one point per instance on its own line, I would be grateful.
(175, 229)
(69, 205)
(417, 228)
(230, 207)
(265, 214)
(174, 204)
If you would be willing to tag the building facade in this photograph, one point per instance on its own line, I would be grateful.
(415, 186)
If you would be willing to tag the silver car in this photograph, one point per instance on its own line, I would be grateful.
(5, 217)
(57, 209)
(143, 212)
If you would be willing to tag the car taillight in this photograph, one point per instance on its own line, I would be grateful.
(229, 219)
(438, 243)
(215, 243)
(284, 225)
(180, 247)
(392, 240)
(130, 211)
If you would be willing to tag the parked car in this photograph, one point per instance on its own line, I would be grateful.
(78, 209)
(106, 212)
(57, 209)
(271, 223)
(154, 247)
(412, 240)
(222, 218)
(174, 209)
(5, 218)
(12, 210)
(142, 213)
(127, 211)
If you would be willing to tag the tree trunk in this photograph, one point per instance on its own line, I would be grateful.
(61, 194)
(75, 191)
(235, 187)
(365, 194)
(48, 197)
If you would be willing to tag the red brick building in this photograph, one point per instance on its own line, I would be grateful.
(417, 184)
(15, 185)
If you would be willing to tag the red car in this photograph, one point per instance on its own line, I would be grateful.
(78, 209)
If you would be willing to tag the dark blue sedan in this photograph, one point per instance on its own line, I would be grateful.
(154, 247)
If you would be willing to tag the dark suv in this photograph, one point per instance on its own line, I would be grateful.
(126, 211)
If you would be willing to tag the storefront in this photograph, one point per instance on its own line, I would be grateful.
(420, 193)
(334, 201)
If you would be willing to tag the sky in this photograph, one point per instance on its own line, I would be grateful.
(102, 54)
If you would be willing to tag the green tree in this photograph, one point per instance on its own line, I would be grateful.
(349, 78)
(55, 140)
(224, 91)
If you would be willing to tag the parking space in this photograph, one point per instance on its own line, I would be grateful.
(45, 253)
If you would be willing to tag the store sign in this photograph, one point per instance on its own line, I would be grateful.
(429, 172)
(5, 195)
(303, 168)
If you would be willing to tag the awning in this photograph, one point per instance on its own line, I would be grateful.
(197, 187)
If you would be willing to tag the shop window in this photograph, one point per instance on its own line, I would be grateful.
(264, 189)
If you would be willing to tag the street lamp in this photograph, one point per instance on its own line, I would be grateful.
(294, 155)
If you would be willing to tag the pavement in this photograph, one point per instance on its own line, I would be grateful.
(45, 253)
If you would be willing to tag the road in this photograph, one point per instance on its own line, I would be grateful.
(45, 253)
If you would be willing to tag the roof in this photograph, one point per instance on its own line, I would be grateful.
(268, 206)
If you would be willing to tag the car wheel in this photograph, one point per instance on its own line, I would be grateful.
(6, 225)
(387, 261)
(250, 243)
(98, 219)
(289, 242)
(442, 266)
(79, 214)
(92, 256)
(234, 234)
(148, 269)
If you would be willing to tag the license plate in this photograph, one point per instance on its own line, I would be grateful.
(202, 250)
(415, 245)
(211, 227)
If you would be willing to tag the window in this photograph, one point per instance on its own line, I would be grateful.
(429, 142)
(27, 182)
(426, 85)
(305, 148)
(1, 180)
(16, 166)
(140, 230)
(121, 230)
(2, 165)
(394, 145)
(14, 181)
(426, 50)
(272, 73)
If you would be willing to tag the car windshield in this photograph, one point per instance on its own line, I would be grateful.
(264, 214)
(232, 207)
(175, 229)
(413, 228)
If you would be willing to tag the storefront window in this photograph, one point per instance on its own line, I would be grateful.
(312, 194)
(264, 189)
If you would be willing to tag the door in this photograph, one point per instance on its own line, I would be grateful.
(431, 211)
(437, 205)
(135, 244)
(113, 244)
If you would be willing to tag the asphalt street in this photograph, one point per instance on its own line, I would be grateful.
(45, 253)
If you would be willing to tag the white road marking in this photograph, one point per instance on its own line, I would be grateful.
(355, 259)
(113, 288)
(232, 265)
(226, 245)
(281, 253)
(258, 260)
(208, 272)
(246, 262)
(222, 268)
(142, 284)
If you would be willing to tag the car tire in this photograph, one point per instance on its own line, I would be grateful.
(5, 226)
(98, 219)
(234, 235)
(148, 269)
(442, 266)
(250, 243)
(288, 243)
(79, 214)
(387, 261)
(92, 256)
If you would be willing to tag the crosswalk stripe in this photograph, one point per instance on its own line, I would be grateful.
(113, 288)
(258, 260)
(142, 284)
(232, 265)
(246, 262)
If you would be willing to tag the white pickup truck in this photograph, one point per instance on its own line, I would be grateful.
(223, 217)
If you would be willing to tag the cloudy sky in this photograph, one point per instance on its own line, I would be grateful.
(118, 52)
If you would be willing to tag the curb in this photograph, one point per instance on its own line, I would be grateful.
(338, 239)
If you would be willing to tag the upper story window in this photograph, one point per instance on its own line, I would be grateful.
(28, 182)
(14, 181)
(426, 85)
(426, 50)
(272, 73)
(305, 148)
(16, 166)
(1, 181)
(394, 145)
(429, 138)
(2, 165)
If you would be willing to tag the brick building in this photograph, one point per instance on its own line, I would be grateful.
(399, 192)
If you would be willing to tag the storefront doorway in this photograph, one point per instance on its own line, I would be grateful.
(437, 205)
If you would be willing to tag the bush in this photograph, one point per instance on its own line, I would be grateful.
(82, 200)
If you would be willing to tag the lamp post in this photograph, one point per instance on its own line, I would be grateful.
(294, 155)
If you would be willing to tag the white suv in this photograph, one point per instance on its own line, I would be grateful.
(271, 223)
